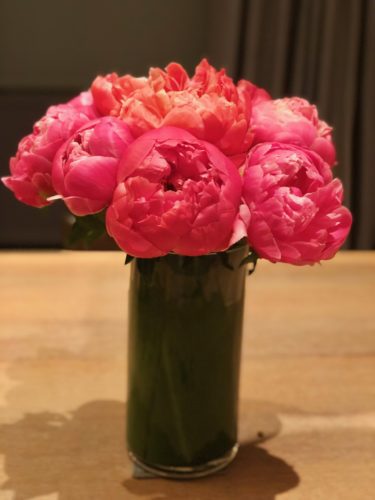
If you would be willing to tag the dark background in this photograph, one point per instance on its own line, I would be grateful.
(322, 50)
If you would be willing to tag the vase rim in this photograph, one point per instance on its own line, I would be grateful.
(231, 249)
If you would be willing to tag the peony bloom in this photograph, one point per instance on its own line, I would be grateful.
(208, 105)
(30, 169)
(85, 167)
(295, 205)
(177, 194)
(84, 103)
(294, 121)
(108, 91)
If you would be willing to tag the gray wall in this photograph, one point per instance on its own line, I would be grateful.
(65, 44)
(50, 50)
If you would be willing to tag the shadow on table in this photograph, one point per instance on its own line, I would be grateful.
(254, 475)
(80, 457)
(83, 457)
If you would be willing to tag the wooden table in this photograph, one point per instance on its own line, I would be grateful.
(308, 383)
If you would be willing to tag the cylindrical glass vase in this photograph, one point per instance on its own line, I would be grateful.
(184, 338)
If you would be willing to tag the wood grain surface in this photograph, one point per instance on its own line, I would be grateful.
(307, 385)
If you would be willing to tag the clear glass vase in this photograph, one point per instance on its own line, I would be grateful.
(185, 329)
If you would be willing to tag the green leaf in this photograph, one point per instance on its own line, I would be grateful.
(87, 229)
(251, 258)
(128, 259)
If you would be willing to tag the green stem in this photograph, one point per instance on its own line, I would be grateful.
(176, 407)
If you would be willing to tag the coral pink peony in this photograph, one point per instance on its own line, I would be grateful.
(85, 167)
(175, 193)
(295, 205)
(30, 169)
(84, 103)
(294, 121)
(209, 105)
(108, 91)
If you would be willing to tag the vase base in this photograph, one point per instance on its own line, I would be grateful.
(170, 472)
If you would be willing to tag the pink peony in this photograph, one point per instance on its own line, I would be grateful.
(294, 121)
(295, 205)
(177, 194)
(208, 105)
(85, 167)
(30, 169)
(84, 103)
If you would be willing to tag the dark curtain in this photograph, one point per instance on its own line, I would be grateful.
(323, 50)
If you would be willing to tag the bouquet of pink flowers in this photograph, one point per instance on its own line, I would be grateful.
(190, 166)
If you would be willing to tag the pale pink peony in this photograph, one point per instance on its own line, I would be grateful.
(30, 169)
(295, 205)
(177, 194)
(208, 105)
(85, 167)
(293, 120)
